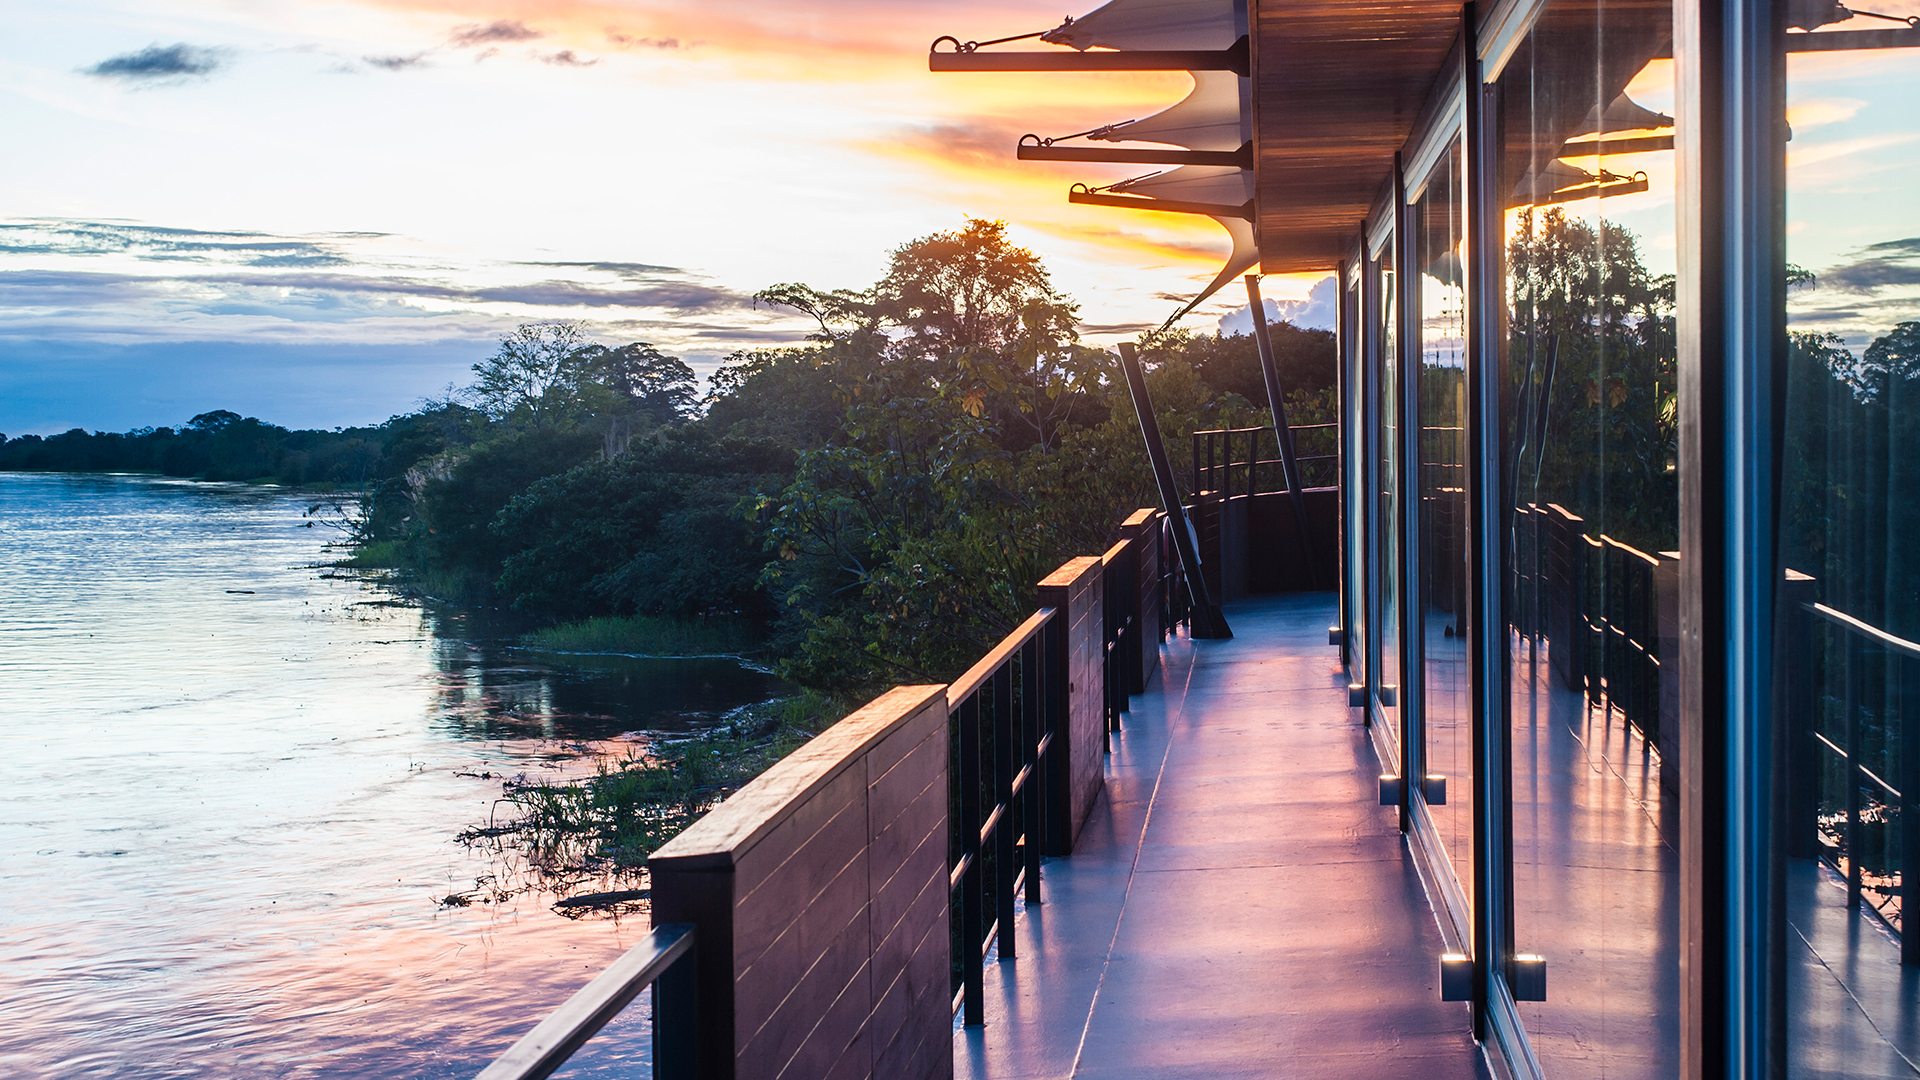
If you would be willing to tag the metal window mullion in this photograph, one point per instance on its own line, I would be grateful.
(1731, 293)
(1413, 751)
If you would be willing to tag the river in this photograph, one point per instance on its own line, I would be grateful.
(230, 782)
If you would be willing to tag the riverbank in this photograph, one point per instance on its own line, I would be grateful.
(607, 824)
(646, 635)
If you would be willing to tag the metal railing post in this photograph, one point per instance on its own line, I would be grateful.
(676, 1019)
(1804, 755)
(1850, 729)
(1033, 797)
(1904, 685)
(972, 915)
(1005, 764)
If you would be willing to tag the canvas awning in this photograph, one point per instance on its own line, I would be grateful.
(1152, 24)
(1218, 184)
(1213, 116)
(1212, 124)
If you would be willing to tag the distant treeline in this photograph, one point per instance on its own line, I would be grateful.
(223, 445)
(883, 497)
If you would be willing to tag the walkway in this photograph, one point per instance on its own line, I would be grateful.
(1239, 905)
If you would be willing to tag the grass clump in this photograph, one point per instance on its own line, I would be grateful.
(374, 555)
(650, 636)
(616, 818)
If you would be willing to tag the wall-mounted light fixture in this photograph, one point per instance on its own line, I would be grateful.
(1456, 977)
(1391, 786)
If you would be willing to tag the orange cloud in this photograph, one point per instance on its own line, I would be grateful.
(817, 37)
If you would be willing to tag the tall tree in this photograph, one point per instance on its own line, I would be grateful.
(535, 375)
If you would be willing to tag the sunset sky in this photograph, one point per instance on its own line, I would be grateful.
(320, 212)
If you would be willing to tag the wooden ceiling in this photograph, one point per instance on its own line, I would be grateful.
(1338, 87)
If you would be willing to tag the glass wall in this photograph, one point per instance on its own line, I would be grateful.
(1587, 367)
(1384, 515)
(1446, 713)
(1848, 613)
(1353, 431)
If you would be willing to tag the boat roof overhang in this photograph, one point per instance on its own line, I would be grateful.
(1340, 86)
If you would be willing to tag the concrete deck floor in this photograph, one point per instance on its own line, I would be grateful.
(1238, 905)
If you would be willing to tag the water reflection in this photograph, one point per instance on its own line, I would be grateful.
(229, 787)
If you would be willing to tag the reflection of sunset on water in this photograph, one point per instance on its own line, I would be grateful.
(248, 776)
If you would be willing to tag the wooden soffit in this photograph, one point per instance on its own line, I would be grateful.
(1338, 87)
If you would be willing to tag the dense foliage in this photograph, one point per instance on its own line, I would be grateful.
(883, 496)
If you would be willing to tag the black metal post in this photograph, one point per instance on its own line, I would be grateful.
(1033, 796)
(1006, 762)
(1207, 621)
(973, 921)
(1906, 680)
(1282, 431)
(676, 1021)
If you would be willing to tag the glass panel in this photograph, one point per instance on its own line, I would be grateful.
(1385, 566)
(1589, 438)
(1446, 712)
(1354, 431)
(1849, 605)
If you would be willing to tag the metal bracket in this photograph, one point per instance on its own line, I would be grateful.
(1206, 619)
(1237, 58)
(1336, 636)
(1356, 695)
(1433, 788)
(1089, 197)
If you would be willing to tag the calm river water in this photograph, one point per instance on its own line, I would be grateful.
(229, 785)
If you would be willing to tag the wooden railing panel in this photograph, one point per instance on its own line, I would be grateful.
(1074, 591)
(792, 904)
(1142, 529)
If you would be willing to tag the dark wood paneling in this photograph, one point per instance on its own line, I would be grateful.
(819, 893)
(1275, 557)
(1143, 527)
(1075, 591)
(1338, 87)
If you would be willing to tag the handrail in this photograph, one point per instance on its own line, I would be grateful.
(1004, 726)
(1850, 852)
(965, 685)
(1866, 630)
(1012, 719)
(1220, 455)
(548, 1046)
(1264, 428)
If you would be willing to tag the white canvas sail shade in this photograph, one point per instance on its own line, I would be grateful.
(1227, 185)
(1212, 117)
(1152, 24)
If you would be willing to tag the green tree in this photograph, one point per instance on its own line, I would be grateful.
(535, 375)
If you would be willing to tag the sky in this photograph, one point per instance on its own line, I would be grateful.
(321, 212)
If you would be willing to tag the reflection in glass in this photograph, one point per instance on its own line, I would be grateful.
(1589, 443)
(1385, 523)
(1849, 602)
(1446, 714)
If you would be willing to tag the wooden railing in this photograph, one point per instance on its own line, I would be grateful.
(1234, 461)
(828, 895)
(1003, 716)
(1853, 761)
(664, 962)
(1597, 601)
